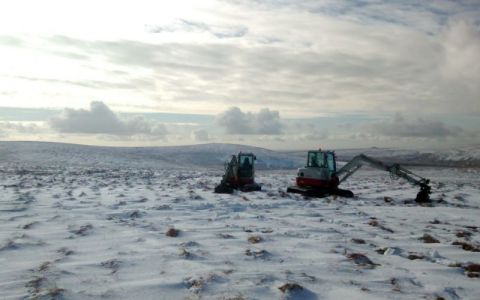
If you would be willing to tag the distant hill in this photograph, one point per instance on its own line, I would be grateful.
(209, 156)
(70, 155)
(467, 156)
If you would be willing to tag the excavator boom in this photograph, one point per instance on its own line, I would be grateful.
(394, 169)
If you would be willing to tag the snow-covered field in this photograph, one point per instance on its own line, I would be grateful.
(99, 231)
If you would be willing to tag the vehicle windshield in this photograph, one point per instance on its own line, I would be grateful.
(321, 160)
(246, 161)
(316, 159)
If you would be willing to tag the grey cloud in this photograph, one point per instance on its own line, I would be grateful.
(165, 59)
(235, 121)
(399, 127)
(461, 44)
(277, 75)
(201, 135)
(138, 83)
(100, 119)
(223, 31)
(361, 68)
(19, 127)
(424, 15)
(266, 121)
(317, 136)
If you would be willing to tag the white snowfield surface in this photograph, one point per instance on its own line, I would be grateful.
(77, 225)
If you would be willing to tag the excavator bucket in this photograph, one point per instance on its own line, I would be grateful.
(424, 195)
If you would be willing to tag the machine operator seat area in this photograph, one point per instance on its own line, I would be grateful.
(246, 166)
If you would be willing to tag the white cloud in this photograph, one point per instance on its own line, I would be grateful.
(266, 121)
(100, 119)
(201, 135)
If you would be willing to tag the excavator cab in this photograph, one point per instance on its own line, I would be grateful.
(319, 171)
(322, 159)
(239, 174)
(245, 167)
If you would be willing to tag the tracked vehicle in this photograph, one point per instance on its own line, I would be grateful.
(239, 174)
(320, 177)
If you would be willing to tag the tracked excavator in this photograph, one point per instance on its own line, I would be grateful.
(239, 174)
(320, 177)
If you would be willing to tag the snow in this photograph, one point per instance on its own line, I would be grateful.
(89, 228)
(69, 155)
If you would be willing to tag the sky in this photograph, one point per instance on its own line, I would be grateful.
(280, 74)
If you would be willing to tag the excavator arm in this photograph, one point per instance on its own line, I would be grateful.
(395, 170)
(230, 169)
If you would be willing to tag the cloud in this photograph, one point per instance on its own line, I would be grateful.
(304, 58)
(11, 41)
(99, 119)
(219, 31)
(20, 127)
(266, 121)
(201, 135)
(461, 66)
(317, 136)
(419, 128)
(24, 129)
(350, 66)
(138, 83)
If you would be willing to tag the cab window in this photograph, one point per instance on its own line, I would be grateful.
(331, 162)
(316, 160)
(246, 161)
